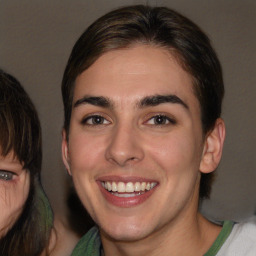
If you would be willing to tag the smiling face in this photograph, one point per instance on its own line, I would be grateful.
(14, 189)
(135, 142)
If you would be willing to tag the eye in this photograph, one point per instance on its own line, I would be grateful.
(160, 120)
(6, 175)
(95, 120)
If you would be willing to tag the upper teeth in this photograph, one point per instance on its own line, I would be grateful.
(128, 187)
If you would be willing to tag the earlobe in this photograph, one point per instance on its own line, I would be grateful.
(65, 153)
(213, 147)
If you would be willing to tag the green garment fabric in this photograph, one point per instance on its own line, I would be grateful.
(222, 237)
(45, 214)
(90, 244)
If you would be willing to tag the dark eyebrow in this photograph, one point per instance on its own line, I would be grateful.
(145, 102)
(160, 99)
(96, 101)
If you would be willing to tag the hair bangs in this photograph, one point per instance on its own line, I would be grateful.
(19, 125)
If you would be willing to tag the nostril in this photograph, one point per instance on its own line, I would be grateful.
(122, 161)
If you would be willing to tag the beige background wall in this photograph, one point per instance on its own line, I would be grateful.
(36, 38)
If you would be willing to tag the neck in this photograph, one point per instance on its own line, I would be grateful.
(190, 239)
(188, 234)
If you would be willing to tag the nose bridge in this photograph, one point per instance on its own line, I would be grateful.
(124, 146)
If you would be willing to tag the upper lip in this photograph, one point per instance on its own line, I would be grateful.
(125, 179)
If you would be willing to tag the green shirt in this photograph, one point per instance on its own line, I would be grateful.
(45, 215)
(90, 243)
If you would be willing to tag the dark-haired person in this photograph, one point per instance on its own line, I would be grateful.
(143, 134)
(26, 219)
(25, 216)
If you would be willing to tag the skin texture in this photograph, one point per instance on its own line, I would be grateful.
(62, 240)
(129, 145)
(13, 192)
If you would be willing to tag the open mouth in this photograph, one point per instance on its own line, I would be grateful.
(127, 189)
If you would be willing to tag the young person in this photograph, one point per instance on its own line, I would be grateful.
(143, 134)
(26, 219)
(25, 216)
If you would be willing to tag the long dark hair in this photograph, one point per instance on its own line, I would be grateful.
(20, 131)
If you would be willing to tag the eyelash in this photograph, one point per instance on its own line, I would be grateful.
(95, 120)
(163, 117)
(6, 175)
(92, 119)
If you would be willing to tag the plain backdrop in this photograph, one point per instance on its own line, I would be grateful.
(36, 38)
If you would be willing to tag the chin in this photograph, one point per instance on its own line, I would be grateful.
(125, 231)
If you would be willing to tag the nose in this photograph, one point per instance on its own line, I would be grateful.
(125, 146)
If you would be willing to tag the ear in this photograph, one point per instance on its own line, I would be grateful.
(65, 153)
(213, 147)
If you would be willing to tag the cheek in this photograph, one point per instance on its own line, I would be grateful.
(85, 159)
(86, 153)
(13, 196)
(178, 160)
(178, 153)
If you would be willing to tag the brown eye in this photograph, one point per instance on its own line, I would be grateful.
(95, 120)
(160, 120)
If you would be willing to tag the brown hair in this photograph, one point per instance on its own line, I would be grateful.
(20, 131)
(19, 124)
(161, 27)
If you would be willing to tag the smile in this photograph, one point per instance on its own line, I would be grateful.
(129, 187)
(127, 193)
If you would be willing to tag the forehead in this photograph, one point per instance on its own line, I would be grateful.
(135, 72)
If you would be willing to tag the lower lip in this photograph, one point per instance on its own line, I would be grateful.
(126, 202)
